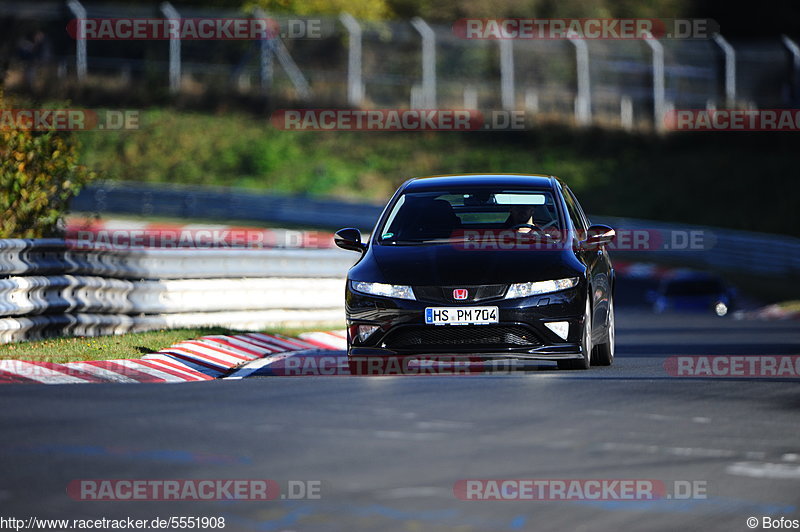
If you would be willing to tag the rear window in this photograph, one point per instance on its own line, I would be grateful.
(429, 217)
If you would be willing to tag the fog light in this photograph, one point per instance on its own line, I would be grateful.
(721, 309)
(365, 331)
(561, 328)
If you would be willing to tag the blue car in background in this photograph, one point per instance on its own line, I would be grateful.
(693, 292)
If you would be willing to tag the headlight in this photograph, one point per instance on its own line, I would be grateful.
(540, 287)
(385, 290)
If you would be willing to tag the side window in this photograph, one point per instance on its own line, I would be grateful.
(574, 210)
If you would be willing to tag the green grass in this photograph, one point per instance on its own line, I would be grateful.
(133, 345)
(728, 179)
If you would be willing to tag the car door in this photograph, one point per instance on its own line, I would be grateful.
(596, 262)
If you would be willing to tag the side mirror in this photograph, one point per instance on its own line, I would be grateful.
(350, 239)
(598, 235)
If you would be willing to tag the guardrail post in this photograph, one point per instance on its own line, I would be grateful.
(428, 61)
(730, 68)
(659, 108)
(79, 12)
(794, 49)
(355, 86)
(583, 100)
(507, 88)
(174, 48)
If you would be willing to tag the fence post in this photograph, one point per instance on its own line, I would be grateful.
(174, 48)
(470, 97)
(80, 38)
(290, 67)
(730, 68)
(583, 101)
(795, 78)
(355, 87)
(658, 81)
(428, 61)
(507, 89)
(265, 52)
(626, 112)
(532, 100)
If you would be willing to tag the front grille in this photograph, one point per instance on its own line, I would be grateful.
(453, 336)
(444, 294)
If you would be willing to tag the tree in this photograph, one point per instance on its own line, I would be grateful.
(361, 9)
(39, 174)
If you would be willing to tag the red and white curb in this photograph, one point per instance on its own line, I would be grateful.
(202, 359)
(312, 360)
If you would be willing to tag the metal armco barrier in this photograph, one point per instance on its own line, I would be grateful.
(726, 250)
(45, 326)
(183, 201)
(723, 250)
(48, 288)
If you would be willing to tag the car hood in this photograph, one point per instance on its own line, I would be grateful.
(447, 265)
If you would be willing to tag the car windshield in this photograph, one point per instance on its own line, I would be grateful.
(444, 216)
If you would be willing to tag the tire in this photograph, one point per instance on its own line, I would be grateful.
(604, 353)
(586, 345)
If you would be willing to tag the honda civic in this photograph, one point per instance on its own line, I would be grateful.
(487, 266)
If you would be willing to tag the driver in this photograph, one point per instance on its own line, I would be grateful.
(520, 214)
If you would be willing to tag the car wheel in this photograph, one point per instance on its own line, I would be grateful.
(586, 345)
(604, 353)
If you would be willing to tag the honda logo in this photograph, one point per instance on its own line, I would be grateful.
(460, 293)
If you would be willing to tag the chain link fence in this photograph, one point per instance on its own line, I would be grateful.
(406, 64)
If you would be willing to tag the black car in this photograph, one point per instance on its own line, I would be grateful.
(487, 266)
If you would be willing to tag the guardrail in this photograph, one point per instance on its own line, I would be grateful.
(48, 288)
(185, 201)
(724, 250)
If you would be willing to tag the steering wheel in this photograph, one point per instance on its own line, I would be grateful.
(551, 223)
(533, 227)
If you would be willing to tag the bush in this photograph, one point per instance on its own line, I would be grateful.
(39, 174)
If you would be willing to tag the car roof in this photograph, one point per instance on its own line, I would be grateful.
(540, 181)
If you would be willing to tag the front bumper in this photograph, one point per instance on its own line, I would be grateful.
(520, 333)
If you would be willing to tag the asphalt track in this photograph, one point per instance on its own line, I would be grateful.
(388, 450)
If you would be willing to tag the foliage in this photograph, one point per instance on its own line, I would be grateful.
(683, 177)
(361, 9)
(38, 176)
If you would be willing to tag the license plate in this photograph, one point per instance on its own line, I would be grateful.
(460, 315)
